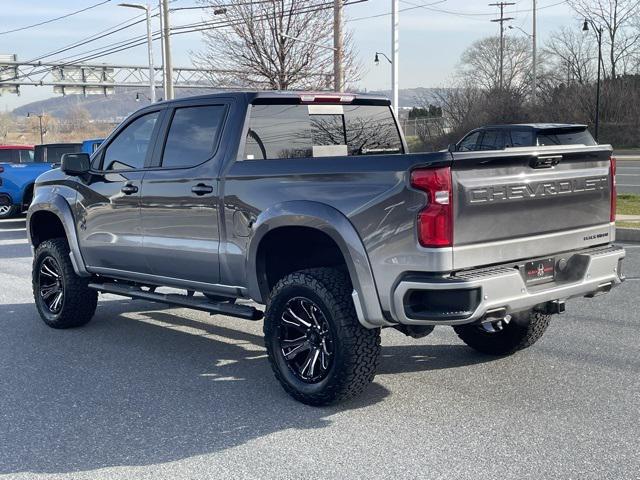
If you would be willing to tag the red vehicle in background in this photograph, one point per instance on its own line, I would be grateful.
(16, 153)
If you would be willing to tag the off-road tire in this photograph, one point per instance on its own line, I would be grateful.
(10, 213)
(521, 332)
(78, 302)
(356, 349)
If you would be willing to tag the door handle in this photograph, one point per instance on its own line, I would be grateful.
(129, 189)
(202, 189)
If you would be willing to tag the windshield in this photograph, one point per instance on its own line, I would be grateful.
(320, 130)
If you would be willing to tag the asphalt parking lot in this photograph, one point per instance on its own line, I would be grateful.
(151, 392)
(628, 176)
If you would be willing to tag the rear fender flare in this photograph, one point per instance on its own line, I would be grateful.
(330, 221)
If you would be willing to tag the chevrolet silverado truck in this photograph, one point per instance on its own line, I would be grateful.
(309, 204)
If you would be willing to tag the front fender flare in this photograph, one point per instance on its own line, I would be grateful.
(57, 204)
(330, 221)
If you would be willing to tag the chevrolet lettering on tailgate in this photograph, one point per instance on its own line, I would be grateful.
(533, 190)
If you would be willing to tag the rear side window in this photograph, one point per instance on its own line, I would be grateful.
(129, 149)
(565, 137)
(7, 156)
(492, 140)
(297, 131)
(54, 154)
(193, 135)
(521, 138)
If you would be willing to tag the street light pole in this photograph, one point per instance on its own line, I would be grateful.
(166, 38)
(152, 81)
(31, 114)
(534, 82)
(395, 20)
(338, 47)
(598, 30)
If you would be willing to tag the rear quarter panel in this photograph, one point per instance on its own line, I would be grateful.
(372, 192)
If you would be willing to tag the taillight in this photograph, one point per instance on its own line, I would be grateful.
(435, 221)
(1, 169)
(614, 189)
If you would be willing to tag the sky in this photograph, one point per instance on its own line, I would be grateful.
(431, 37)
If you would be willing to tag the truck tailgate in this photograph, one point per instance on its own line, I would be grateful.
(525, 203)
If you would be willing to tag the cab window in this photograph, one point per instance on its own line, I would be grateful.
(299, 131)
(192, 136)
(129, 149)
(7, 156)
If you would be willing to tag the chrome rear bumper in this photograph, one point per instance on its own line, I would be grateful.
(593, 271)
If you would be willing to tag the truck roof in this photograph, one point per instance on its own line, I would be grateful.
(538, 126)
(320, 96)
(16, 147)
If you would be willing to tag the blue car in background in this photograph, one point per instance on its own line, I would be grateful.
(90, 146)
(18, 172)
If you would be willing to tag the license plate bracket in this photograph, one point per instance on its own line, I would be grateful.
(540, 271)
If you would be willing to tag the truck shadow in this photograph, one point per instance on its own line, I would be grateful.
(142, 386)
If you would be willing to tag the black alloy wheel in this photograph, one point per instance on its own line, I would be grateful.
(306, 343)
(51, 285)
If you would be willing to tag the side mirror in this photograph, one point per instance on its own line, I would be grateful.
(75, 164)
(452, 147)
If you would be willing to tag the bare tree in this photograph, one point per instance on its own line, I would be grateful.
(571, 56)
(617, 19)
(277, 44)
(6, 123)
(480, 63)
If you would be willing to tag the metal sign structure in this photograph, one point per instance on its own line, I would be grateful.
(7, 71)
(87, 79)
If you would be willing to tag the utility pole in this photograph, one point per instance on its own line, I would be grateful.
(501, 20)
(166, 39)
(534, 39)
(394, 54)
(338, 47)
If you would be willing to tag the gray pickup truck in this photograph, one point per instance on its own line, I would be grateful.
(310, 204)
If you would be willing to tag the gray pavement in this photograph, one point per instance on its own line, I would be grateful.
(628, 174)
(147, 392)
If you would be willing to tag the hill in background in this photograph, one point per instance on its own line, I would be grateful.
(114, 108)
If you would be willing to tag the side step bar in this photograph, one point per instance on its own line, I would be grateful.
(222, 308)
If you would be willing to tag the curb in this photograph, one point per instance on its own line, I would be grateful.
(628, 235)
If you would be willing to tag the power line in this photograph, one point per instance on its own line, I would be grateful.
(470, 15)
(236, 4)
(87, 40)
(55, 19)
(137, 41)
